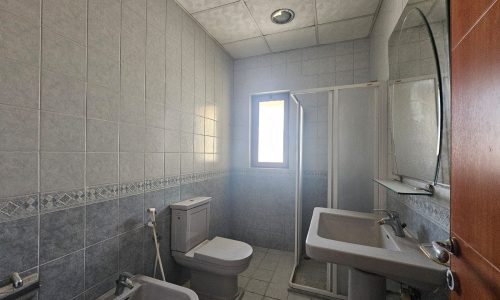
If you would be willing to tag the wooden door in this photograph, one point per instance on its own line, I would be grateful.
(475, 147)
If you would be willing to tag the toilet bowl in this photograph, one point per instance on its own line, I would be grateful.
(214, 264)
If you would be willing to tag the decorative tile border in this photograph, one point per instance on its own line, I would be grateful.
(102, 193)
(18, 207)
(319, 173)
(59, 200)
(217, 173)
(428, 208)
(154, 184)
(186, 178)
(29, 205)
(197, 177)
(190, 178)
(132, 188)
(172, 181)
(288, 172)
(260, 171)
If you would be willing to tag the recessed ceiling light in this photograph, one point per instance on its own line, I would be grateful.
(282, 16)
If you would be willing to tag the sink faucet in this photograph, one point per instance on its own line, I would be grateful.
(393, 221)
(122, 282)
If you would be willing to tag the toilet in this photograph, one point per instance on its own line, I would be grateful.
(214, 264)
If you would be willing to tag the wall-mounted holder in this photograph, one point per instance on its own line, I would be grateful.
(405, 189)
(19, 288)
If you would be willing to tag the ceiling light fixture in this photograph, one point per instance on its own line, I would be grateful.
(282, 16)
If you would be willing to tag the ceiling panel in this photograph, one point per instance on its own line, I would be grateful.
(244, 27)
(345, 30)
(246, 48)
(335, 10)
(261, 11)
(294, 39)
(228, 23)
(193, 6)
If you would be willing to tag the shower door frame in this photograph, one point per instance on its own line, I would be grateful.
(333, 94)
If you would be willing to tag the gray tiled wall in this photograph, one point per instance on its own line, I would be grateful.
(263, 208)
(263, 201)
(106, 108)
(427, 217)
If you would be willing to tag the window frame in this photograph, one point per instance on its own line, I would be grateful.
(254, 135)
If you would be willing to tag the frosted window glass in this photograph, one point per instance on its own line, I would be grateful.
(271, 131)
(356, 142)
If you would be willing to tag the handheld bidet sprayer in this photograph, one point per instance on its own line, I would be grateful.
(152, 216)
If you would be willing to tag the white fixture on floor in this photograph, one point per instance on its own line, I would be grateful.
(356, 239)
(214, 264)
(147, 288)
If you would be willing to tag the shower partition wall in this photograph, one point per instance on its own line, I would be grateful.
(353, 135)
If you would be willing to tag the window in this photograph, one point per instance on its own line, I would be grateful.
(269, 144)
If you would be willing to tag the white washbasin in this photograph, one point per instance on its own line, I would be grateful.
(356, 239)
(147, 288)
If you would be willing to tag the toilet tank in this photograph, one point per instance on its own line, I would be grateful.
(190, 223)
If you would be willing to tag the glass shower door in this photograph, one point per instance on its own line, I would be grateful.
(337, 160)
(353, 160)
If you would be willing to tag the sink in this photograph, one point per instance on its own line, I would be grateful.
(355, 230)
(355, 239)
(147, 288)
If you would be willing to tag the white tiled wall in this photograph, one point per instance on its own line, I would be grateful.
(336, 64)
(106, 108)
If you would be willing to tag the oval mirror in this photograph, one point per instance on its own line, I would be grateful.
(416, 95)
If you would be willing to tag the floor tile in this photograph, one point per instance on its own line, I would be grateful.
(259, 249)
(249, 271)
(277, 291)
(243, 281)
(296, 296)
(267, 276)
(251, 296)
(270, 262)
(263, 274)
(278, 252)
(257, 286)
(281, 277)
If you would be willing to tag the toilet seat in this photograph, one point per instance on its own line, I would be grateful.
(219, 256)
(223, 252)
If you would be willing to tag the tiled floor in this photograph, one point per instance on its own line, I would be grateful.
(311, 273)
(268, 275)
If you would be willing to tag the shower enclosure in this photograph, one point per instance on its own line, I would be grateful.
(337, 158)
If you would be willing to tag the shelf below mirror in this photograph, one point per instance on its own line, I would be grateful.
(402, 188)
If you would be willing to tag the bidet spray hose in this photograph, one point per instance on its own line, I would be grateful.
(152, 224)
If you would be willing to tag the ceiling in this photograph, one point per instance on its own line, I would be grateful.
(244, 27)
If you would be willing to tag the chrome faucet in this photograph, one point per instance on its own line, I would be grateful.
(393, 221)
(123, 282)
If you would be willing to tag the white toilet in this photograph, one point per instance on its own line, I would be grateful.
(214, 264)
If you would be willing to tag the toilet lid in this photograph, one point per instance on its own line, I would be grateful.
(224, 252)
